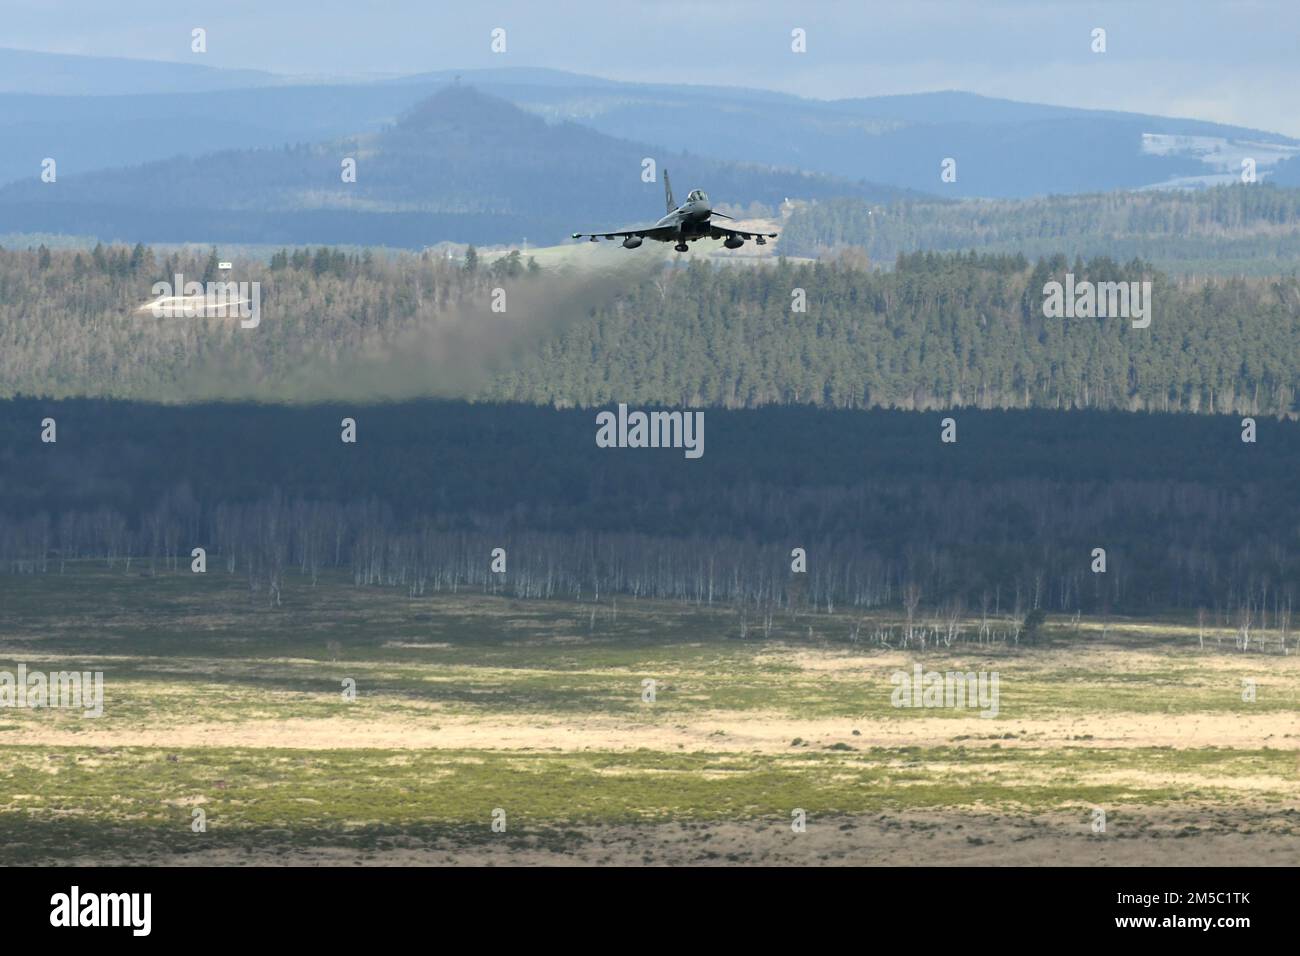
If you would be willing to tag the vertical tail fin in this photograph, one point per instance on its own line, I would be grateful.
(668, 192)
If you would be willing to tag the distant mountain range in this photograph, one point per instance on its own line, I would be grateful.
(1003, 149)
(226, 151)
(53, 74)
(461, 166)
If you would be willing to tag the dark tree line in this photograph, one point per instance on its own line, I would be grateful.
(1007, 518)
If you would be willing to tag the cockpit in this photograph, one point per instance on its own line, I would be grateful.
(697, 195)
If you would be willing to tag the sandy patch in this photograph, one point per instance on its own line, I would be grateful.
(721, 731)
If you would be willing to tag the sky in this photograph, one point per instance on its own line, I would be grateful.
(1230, 61)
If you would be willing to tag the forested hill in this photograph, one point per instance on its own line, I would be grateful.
(1228, 230)
(460, 166)
(939, 331)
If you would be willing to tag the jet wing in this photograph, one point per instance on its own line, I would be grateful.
(643, 232)
(723, 232)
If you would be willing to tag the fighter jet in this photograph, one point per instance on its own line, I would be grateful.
(691, 220)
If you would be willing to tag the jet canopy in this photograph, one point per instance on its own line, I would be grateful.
(697, 195)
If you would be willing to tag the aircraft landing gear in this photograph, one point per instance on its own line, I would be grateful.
(681, 247)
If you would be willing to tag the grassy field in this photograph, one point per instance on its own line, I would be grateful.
(466, 704)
